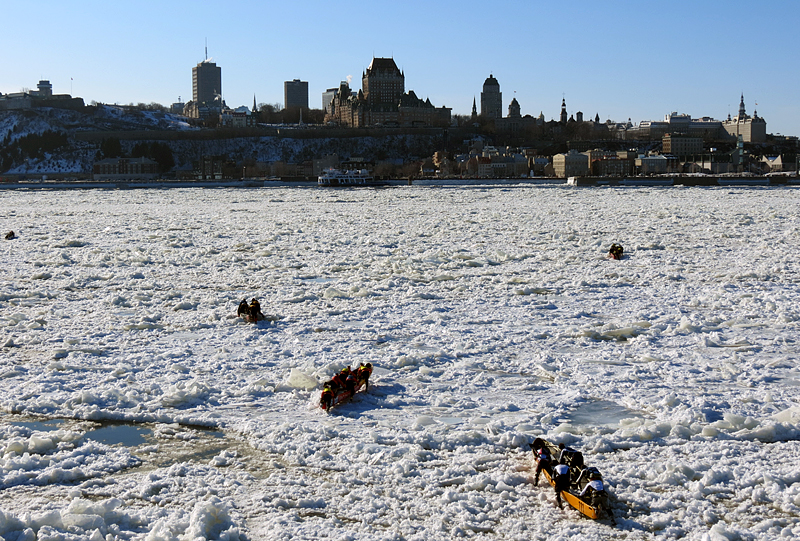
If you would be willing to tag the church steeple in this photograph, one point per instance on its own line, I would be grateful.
(474, 109)
(563, 111)
(742, 112)
(255, 107)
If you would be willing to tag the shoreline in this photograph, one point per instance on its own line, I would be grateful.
(666, 182)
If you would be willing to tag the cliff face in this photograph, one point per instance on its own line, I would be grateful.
(79, 136)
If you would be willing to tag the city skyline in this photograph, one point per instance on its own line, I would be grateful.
(627, 60)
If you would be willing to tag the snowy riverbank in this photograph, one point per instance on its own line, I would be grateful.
(491, 314)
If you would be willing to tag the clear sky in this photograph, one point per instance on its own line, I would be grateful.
(616, 58)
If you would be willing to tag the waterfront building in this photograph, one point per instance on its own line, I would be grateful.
(571, 164)
(608, 163)
(295, 94)
(125, 169)
(776, 164)
(491, 99)
(657, 164)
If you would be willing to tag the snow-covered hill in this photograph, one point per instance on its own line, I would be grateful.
(81, 152)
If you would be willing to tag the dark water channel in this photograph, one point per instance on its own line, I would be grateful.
(155, 445)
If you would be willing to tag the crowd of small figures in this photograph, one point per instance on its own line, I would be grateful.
(344, 384)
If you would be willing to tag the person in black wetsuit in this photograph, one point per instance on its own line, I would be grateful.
(255, 310)
(542, 462)
(561, 479)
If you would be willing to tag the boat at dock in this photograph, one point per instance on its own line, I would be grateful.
(357, 177)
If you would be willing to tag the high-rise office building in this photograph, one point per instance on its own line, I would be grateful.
(206, 83)
(295, 94)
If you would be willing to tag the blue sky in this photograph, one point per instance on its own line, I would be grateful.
(619, 59)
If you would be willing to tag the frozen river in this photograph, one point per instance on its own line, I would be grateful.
(136, 405)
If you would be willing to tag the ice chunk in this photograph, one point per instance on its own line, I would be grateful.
(210, 520)
(333, 293)
(84, 522)
(300, 380)
(789, 415)
(39, 445)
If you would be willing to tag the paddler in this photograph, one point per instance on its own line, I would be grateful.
(363, 373)
(243, 309)
(595, 485)
(561, 479)
(542, 462)
(338, 380)
(326, 398)
(255, 310)
(570, 456)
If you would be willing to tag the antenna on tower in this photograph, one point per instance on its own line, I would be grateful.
(206, 57)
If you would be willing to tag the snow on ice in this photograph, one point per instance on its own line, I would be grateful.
(136, 405)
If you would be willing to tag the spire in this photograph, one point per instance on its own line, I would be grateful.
(255, 107)
(742, 112)
(474, 108)
(563, 111)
